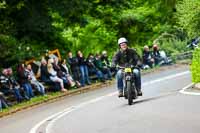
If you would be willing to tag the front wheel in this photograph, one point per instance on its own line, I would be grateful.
(129, 93)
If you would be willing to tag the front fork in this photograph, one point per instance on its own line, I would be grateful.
(127, 77)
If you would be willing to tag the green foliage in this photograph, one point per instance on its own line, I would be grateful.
(91, 26)
(188, 15)
(195, 66)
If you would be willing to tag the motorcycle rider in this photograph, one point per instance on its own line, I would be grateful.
(125, 56)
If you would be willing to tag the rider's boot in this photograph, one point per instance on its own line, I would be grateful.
(139, 92)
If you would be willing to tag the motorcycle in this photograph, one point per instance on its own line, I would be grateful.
(129, 91)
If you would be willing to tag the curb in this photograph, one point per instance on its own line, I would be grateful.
(56, 98)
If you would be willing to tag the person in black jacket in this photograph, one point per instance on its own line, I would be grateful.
(126, 56)
(9, 85)
(147, 57)
(83, 69)
(74, 67)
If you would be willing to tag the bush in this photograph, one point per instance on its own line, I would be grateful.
(195, 67)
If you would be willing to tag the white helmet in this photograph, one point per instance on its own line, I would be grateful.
(122, 40)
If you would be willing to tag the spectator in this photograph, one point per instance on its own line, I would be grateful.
(45, 76)
(74, 66)
(23, 78)
(104, 69)
(61, 75)
(34, 81)
(9, 85)
(147, 58)
(3, 102)
(92, 68)
(66, 74)
(83, 69)
(104, 59)
(53, 75)
(160, 56)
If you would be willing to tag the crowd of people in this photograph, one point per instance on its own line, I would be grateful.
(74, 71)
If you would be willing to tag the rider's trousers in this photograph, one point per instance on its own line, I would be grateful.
(120, 82)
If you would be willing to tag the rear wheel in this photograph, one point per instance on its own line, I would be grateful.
(129, 93)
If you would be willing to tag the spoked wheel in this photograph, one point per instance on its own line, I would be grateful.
(129, 93)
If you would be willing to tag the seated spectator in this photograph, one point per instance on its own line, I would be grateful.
(60, 74)
(104, 59)
(160, 58)
(45, 76)
(83, 69)
(103, 68)
(66, 74)
(23, 78)
(106, 62)
(92, 68)
(9, 85)
(147, 58)
(3, 102)
(74, 67)
(40, 88)
(53, 75)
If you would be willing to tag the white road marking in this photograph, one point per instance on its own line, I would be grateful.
(183, 91)
(167, 77)
(53, 118)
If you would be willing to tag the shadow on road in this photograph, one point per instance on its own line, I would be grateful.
(154, 98)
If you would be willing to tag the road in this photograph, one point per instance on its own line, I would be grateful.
(161, 109)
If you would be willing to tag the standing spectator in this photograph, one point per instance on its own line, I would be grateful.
(147, 57)
(83, 68)
(34, 81)
(23, 78)
(9, 85)
(74, 67)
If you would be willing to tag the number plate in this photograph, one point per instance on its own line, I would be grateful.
(128, 70)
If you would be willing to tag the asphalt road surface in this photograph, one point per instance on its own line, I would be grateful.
(161, 109)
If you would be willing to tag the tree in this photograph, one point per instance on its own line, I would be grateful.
(188, 16)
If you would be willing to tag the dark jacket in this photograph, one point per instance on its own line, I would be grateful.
(81, 61)
(146, 57)
(44, 73)
(22, 76)
(73, 62)
(156, 53)
(129, 56)
(105, 61)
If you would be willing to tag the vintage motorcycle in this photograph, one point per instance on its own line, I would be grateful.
(129, 91)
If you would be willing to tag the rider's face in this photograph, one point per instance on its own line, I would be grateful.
(123, 46)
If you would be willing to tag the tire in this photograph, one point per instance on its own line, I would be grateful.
(135, 93)
(129, 93)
